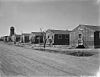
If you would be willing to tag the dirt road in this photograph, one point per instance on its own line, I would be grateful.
(18, 61)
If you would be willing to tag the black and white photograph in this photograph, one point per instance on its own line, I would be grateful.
(49, 38)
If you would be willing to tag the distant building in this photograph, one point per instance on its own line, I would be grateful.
(58, 37)
(36, 37)
(25, 37)
(16, 38)
(5, 38)
(1, 38)
(12, 31)
(86, 35)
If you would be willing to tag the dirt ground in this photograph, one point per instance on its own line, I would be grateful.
(20, 61)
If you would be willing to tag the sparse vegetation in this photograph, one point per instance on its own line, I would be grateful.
(81, 54)
(75, 53)
(78, 53)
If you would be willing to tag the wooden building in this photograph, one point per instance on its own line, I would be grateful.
(1, 38)
(25, 37)
(16, 38)
(5, 38)
(58, 37)
(86, 35)
(36, 37)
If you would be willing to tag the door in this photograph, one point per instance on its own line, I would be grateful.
(80, 39)
(26, 39)
(97, 39)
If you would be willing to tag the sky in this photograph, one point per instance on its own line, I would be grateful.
(30, 15)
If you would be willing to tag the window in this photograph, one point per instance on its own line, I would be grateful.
(67, 36)
(80, 35)
(99, 35)
(59, 36)
(52, 37)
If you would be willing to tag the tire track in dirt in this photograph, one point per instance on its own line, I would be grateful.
(43, 63)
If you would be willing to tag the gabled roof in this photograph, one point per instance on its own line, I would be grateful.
(96, 28)
(37, 33)
(17, 35)
(59, 31)
(6, 36)
(27, 34)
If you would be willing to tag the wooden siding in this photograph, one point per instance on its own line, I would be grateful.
(36, 37)
(49, 36)
(53, 38)
(62, 41)
(25, 39)
(87, 34)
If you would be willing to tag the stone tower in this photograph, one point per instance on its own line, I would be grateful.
(12, 31)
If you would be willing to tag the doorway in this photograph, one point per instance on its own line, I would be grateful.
(80, 41)
(97, 39)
